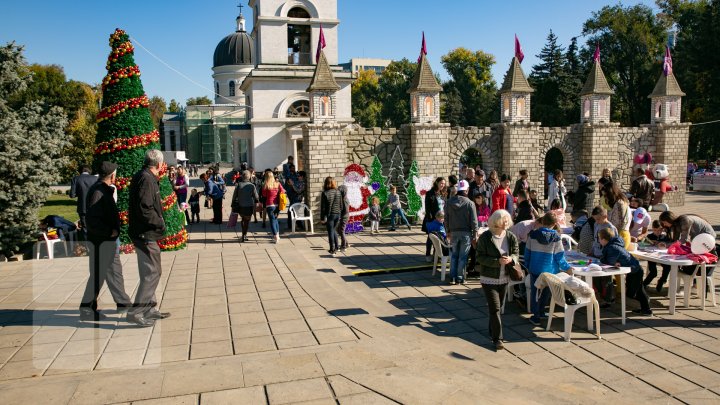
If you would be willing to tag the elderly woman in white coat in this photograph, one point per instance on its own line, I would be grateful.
(557, 190)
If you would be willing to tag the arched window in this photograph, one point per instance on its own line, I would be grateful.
(602, 107)
(217, 88)
(658, 109)
(300, 108)
(324, 106)
(673, 108)
(506, 107)
(231, 88)
(520, 105)
(414, 107)
(298, 12)
(429, 106)
(586, 108)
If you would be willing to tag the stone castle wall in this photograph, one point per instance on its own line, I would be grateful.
(506, 147)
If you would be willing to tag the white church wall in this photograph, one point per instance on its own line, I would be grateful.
(271, 146)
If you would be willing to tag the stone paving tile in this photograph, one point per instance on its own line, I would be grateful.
(166, 354)
(122, 359)
(665, 359)
(249, 396)
(669, 383)
(343, 387)
(335, 335)
(298, 391)
(297, 339)
(289, 326)
(254, 344)
(176, 400)
(210, 349)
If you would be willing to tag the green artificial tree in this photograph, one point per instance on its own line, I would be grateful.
(125, 133)
(377, 183)
(414, 200)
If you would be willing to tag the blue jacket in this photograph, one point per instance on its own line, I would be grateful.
(614, 252)
(544, 252)
(437, 228)
(212, 190)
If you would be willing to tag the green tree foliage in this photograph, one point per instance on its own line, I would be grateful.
(696, 59)
(32, 139)
(451, 107)
(132, 126)
(377, 179)
(471, 76)
(202, 100)
(548, 78)
(174, 106)
(78, 100)
(632, 40)
(366, 106)
(157, 109)
(394, 84)
(571, 84)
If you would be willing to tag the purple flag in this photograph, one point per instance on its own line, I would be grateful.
(596, 56)
(518, 50)
(423, 48)
(667, 63)
(321, 45)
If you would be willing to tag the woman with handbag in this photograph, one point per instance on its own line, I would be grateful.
(243, 201)
(271, 192)
(498, 258)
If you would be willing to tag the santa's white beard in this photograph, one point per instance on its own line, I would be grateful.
(354, 194)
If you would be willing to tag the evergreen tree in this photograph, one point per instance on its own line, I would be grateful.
(377, 183)
(125, 132)
(32, 139)
(546, 78)
(571, 84)
(394, 84)
(414, 200)
(451, 109)
(174, 107)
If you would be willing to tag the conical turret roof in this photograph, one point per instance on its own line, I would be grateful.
(666, 86)
(323, 79)
(515, 80)
(596, 82)
(424, 79)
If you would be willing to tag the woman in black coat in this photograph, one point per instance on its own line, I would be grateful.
(585, 191)
(434, 202)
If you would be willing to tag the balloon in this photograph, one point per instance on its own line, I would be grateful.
(702, 244)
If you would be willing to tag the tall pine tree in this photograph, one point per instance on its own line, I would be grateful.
(125, 132)
(546, 78)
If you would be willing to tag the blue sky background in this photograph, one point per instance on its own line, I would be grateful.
(74, 34)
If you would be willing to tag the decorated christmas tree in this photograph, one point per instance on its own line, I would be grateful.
(125, 132)
(414, 199)
(377, 183)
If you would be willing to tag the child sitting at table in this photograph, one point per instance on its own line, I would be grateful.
(437, 228)
(544, 253)
(658, 238)
(614, 254)
(534, 201)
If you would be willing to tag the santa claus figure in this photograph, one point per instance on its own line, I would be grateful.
(357, 194)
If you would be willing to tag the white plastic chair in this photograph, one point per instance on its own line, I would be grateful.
(567, 241)
(50, 246)
(688, 279)
(438, 255)
(557, 288)
(509, 294)
(294, 215)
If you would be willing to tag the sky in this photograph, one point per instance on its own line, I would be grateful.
(183, 33)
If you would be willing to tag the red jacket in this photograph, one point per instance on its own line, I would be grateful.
(499, 199)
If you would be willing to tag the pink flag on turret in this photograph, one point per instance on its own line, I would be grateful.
(321, 45)
(423, 48)
(518, 50)
(667, 63)
(596, 56)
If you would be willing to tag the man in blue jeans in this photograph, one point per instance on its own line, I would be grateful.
(462, 228)
(544, 253)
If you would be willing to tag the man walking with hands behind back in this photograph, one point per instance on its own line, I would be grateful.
(103, 230)
(146, 227)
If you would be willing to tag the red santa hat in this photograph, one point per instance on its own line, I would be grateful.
(354, 168)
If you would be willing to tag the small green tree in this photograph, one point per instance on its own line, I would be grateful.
(414, 200)
(157, 109)
(32, 138)
(376, 183)
(202, 100)
(174, 107)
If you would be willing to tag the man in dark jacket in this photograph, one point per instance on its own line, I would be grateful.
(584, 193)
(79, 187)
(213, 191)
(462, 228)
(147, 226)
(642, 188)
(103, 230)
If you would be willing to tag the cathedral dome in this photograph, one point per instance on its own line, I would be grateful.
(236, 48)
